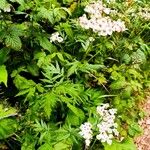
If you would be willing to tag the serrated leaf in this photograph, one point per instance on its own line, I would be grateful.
(72, 119)
(68, 30)
(7, 127)
(119, 84)
(46, 44)
(78, 112)
(73, 68)
(49, 101)
(126, 58)
(3, 75)
(13, 42)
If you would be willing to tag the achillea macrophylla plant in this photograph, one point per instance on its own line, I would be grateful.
(73, 73)
(107, 127)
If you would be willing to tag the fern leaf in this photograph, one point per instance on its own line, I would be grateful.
(49, 102)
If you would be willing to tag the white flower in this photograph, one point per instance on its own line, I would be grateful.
(109, 141)
(107, 127)
(107, 10)
(55, 37)
(119, 26)
(102, 25)
(115, 132)
(87, 142)
(86, 132)
(112, 111)
(91, 39)
(60, 39)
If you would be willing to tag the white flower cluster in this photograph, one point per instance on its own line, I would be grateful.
(86, 132)
(145, 13)
(107, 127)
(97, 22)
(55, 37)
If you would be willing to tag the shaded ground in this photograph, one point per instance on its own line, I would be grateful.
(143, 141)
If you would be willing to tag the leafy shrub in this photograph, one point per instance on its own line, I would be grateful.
(56, 68)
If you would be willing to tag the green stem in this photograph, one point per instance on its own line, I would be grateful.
(93, 144)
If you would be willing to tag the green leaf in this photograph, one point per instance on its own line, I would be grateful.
(125, 145)
(45, 146)
(126, 58)
(7, 127)
(62, 146)
(134, 129)
(13, 42)
(33, 69)
(72, 119)
(78, 112)
(46, 44)
(3, 4)
(73, 68)
(49, 101)
(3, 75)
(60, 56)
(7, 112)
(119, 84)
(28, 146)
(4, 55)
(68, 30)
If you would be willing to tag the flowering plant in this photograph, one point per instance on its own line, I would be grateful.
(107, 128)
(72, 73)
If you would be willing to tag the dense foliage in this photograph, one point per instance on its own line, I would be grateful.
(55, 72)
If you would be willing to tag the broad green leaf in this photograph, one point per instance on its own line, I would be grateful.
(62, 146)
(13, 42)
(3, 75)
(126, 145)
